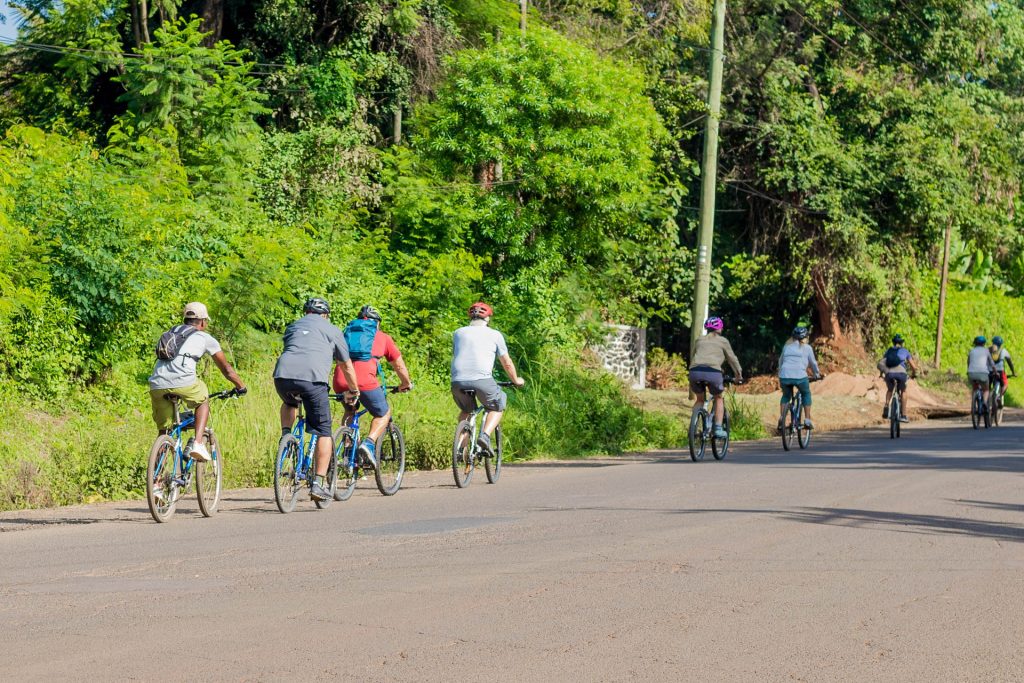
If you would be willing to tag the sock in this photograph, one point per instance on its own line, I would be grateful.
(285, 430)
(319, 480)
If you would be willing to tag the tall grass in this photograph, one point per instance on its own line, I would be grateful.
(95, 446)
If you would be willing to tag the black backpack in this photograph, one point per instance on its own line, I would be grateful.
(892, 358)
(172, 340)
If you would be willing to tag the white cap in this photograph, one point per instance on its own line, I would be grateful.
(196, 310)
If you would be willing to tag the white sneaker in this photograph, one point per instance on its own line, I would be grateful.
(200, 453)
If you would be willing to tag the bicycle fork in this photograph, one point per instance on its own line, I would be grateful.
(307, 468)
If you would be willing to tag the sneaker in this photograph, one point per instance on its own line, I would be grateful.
(808, 424)
(318, 492)
(885, 413)
(720, 432)
(484, 442)
(904, 418)
(199, 452)
(368, 452)
(780, 426)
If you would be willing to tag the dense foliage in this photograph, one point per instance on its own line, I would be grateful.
(244, 153)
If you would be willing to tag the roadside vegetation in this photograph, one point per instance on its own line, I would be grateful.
(247, 155)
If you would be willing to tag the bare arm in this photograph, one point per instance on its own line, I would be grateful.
(350, 375)
(1010, 363)
(510, 370)
(228, 370)
(404, 381)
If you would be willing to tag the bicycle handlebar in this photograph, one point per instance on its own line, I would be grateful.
(726, 379)
(230, 393)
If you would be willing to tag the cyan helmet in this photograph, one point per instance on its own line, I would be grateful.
(897, 339)
(980, 340)
(997, 340)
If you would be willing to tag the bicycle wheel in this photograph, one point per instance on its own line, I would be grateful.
(788, 427)
(492, 466)
(330, 479)
(986, 418)
(997, 412)
(803, 435)
(390, 460)
(463, 461)
(286, 476)
(720, 446)
(347, 471)
(161, 490)
(698, 435)
(208, 477)
(976, 410)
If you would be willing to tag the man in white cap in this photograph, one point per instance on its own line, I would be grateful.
(178, 352)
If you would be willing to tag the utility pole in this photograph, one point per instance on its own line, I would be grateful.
(522, 18)
(396, 124)
(942, 293)
(709, 176)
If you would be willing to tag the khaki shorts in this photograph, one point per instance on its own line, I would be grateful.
(163, 412)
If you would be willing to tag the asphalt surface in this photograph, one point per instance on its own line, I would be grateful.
(860, 559)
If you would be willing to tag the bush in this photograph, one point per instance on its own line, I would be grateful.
(665, 370)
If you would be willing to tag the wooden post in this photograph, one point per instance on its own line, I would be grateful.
(942, 293)
(522, 18)
(396, 124)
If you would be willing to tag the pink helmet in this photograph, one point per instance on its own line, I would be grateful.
(714, 324)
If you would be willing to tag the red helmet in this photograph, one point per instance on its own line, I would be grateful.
(480, 310)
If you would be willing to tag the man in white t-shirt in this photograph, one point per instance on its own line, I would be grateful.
(474, 349)
(178, 376)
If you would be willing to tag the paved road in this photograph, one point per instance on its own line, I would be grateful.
(862, 559)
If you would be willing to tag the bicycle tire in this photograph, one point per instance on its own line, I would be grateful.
(803, 435)
(492, 466)
(985, 415)
(697, 435)
(975, 410)
(330, 478)
(159, 480)
(286, 483)
(720, 446)
(209, 477)
(390, 460)
(348, 473)
(787, 429)
(894, 417)
(463, 461)
(997, 415)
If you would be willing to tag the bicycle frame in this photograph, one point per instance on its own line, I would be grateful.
(181, 463)
(307, 463)
(353, 451)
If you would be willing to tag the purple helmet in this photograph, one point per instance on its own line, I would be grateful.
(714, 324)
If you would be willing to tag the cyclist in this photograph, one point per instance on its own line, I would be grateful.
(1000, 358)
(303, 369)
(894, 366)
(371, 394)
(797, 356)
(178, 376)
(474, 349)
(979, 368)
(707, 356)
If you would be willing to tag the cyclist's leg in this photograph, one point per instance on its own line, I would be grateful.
(163, 411)
(376, 403)
(197, 398)
(494, 400)
(289, 403)
(804, 387)
(901, 386)
(465, 403)
(890, 385)
(317, 404)
(787, 395)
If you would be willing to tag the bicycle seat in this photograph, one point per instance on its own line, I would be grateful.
(468, 392)
(172, 397)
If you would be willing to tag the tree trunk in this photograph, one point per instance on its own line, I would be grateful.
(213, 21)
(144, 20)
(827, 317)
(136, 29)
(942, 294)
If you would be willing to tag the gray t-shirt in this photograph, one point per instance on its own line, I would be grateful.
(795, 360)
(311, 345)
(474, 349)
(180, 371)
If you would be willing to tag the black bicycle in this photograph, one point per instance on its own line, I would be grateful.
(466, 453)
(979, 411)
(794, 425)
(995, 398)
(702, 430)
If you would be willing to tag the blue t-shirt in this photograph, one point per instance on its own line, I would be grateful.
(904, 356)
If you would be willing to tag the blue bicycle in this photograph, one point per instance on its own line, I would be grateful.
(170, 470)
(295, 466)
(390, 455)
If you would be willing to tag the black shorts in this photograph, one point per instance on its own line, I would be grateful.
(315, 400)
(896, 379)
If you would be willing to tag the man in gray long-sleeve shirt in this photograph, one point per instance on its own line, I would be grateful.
(302, 373)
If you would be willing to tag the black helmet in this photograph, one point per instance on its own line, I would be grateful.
(317, 305)
(897, 339)
(369, 312)
(800, 332)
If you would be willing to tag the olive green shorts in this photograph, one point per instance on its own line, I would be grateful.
(163, 411)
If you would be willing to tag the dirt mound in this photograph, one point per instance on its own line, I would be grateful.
(873, 389)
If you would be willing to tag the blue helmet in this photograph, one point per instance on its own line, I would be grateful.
(997, 340)
(800, 332)
(980, 340)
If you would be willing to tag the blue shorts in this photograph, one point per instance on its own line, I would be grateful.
(801, 385)
(701, 377)
(315, 399)
(375, 401)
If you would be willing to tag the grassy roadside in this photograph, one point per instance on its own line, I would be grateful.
(94, 446)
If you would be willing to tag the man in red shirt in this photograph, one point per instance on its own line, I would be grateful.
(371, 394)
